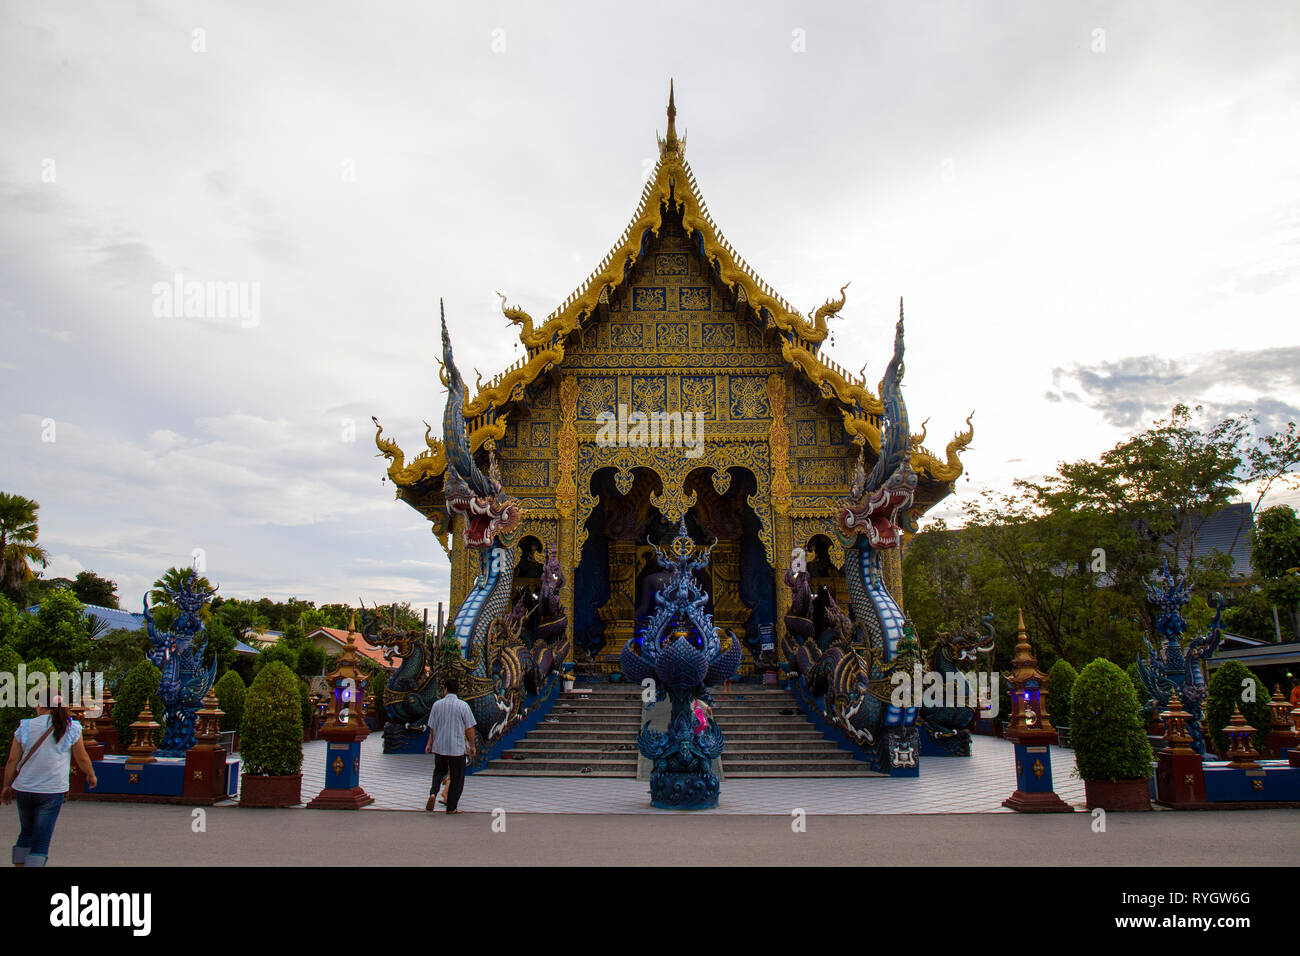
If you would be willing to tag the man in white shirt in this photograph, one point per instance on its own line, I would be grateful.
(451, 738)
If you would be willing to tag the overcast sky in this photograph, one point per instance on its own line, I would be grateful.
(1092, 209)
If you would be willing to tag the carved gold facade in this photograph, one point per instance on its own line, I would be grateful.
(671, 323)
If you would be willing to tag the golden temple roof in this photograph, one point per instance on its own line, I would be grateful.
(672, 185)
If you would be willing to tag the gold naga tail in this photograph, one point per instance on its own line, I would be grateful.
(829, 310)
(923, 460)
(428, 463)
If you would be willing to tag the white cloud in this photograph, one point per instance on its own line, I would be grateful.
(1040, 206)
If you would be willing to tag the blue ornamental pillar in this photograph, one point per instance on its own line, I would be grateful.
(682, 652)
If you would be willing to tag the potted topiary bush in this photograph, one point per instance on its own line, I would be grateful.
(1229, 687)
(231, 691)
(1111, 749)
(272, 740)
(1060, 684)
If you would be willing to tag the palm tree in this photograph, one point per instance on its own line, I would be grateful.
(18, 547)
(171, 580)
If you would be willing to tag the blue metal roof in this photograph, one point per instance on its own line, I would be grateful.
(113, 617)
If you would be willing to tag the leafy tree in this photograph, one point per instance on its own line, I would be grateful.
(278, 652)
(57, 631)
(1251, 615)
(10, 660)
(1109, 740)
(230, 691)
(271, 732)
(137, 687)
(18, 547)
(311, 661)
(1276, 557)
(1229, 688)
(90, 588)
(10, 620)
(117, 652)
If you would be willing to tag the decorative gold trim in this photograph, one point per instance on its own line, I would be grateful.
(779, 438)
(566, 490)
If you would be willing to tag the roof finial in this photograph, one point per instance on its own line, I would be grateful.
(670, 142)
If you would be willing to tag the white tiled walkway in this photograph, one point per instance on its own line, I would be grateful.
(975, 784)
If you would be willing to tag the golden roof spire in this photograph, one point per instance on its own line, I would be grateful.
(670, 144)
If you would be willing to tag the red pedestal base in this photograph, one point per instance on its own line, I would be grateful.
(1180, 778)
(1277, 741)
(1037, 803)
(260, 791)
(353, 799)
(205, 775)
(108, 739)
(1118, 794)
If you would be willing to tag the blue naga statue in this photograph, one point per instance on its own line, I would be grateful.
(1170, 668)
(494, 667)
(681, 650)
(854, 680)
(179, 655)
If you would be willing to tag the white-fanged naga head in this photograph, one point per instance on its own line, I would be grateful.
(489, 512)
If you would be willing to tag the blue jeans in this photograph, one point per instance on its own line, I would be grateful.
(36, 815)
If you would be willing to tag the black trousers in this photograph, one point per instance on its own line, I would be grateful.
(441, 767)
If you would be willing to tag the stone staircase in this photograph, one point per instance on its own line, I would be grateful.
(587, 734)
(593, 734)
(768, 736)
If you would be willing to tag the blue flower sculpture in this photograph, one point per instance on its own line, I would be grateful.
(682, 652)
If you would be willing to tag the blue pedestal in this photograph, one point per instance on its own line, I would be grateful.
(342, 765)
(1034, 768)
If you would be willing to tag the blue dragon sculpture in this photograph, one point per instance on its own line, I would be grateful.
(1170, 668)
(494, 667)
(682, 650)
(952, 657)
(859, 690)
(178, 653)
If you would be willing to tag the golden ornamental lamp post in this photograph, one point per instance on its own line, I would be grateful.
(142, 745)
(1281, 735)
(205, 778)
(1032, 734)
(1241, 752)
(344, 731)
(1180, 771)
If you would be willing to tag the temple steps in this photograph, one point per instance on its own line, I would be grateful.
(588, 733)
(768, 736)
(592, 733)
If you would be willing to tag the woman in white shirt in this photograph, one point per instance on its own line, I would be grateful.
(36, 777)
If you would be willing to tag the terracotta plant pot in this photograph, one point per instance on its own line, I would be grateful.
(1118, 794)
(256, 790)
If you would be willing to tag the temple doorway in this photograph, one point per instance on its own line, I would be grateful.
(618, 574)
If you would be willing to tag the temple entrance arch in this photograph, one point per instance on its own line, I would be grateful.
(617, 573)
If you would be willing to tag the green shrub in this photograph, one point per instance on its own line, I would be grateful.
(230, 691)
(139, 685)
(1060, 684)
(1135, 678)
(304, 699)
(10, 716)
(1110, 742)
(1227, 686)
(271, 733)
(311, 661)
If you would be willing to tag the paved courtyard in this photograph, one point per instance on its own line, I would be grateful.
(975, 784)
